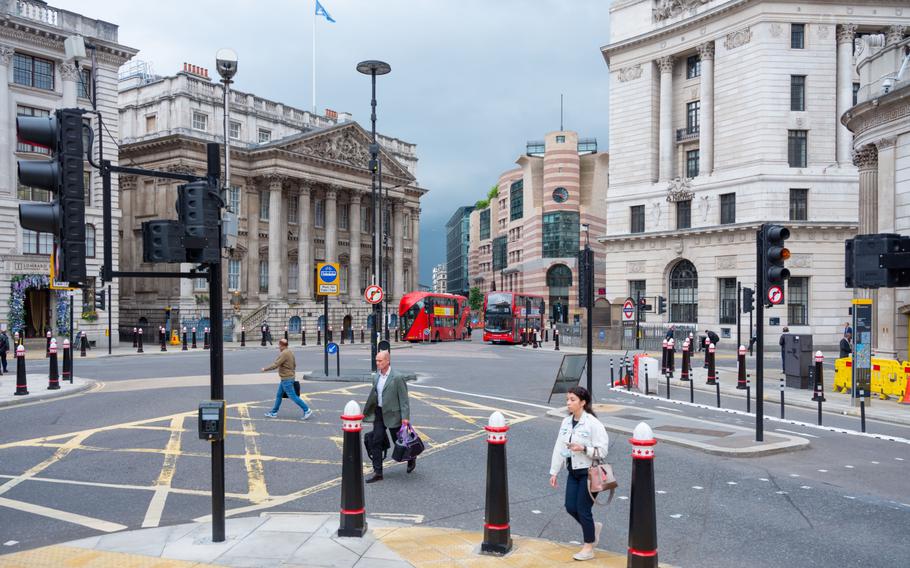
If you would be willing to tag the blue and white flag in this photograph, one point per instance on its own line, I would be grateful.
(321, 11)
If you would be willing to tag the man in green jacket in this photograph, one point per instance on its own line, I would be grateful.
(387, 406)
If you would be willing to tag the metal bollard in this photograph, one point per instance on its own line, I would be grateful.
(684, 374)
(303, 337)
(717, 387)
(497, 536)
(53, 373)
(741, 368)
(185, 342)
(709, 358)
(611, 373)
(139, 350)
(361, 335)
(243, 336)
(262, 338)
(83, 344)
(782, 398)
(663, 357)
(162, 336)
(671, 358)
(647, 384)
(318, 337)
(134, 338)
(556, 339)
(862, 408)
(21, 379)
(643, 507)
(285, 333)
(205, 338)
(819, 395)
(748, 395)
(353, 520)
(67, 361)
(47, 347)
(194, 346)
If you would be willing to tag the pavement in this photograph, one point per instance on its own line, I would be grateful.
(298, 541)
(37, 388)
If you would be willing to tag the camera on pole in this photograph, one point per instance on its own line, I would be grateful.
(62, 175)
(773, 257)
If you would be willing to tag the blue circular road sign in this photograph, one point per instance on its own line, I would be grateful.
(328, 273)
(331, 348)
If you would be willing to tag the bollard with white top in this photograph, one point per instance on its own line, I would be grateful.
(185, 343)
(643, 506)
(134, 337)
(819, 395)
(194, 346)
(21, 380)
(353, 521)
(139, 343)
(671, 357)
(67, 361)
(712, 370)
(741, 368)
(497, 536)
(53, 372)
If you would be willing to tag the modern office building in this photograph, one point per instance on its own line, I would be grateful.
(458, 234)
(724, 114)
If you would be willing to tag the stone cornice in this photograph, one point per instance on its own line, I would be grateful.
(733, 228)
(39, 35)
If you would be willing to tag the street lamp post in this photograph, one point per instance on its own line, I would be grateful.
(588, 290)
(374, 68)
(226, 63)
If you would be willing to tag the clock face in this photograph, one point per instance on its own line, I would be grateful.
(560, 195)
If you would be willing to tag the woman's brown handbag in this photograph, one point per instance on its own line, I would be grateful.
(601, 478)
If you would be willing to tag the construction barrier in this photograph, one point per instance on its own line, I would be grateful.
(889, 377)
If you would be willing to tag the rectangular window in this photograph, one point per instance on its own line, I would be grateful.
(798, 92)
(235, 130)
(693, 66)
(263, 205)
(84, 88)
(516, 200)
(727, 300)
(151, 123)
(637, 219)
(798, 301)
(33, 72)
(263, 276)
(235, 199)
(797, 36)
(30, 111)
(560, 139)
(855, 93)
(293, 276)
(637, 288)
(87, 184)
(344, 216)
(692, 110)
(200, 121)
(26, 193)
(233, 275)
(90, 241)
(407, 226)
(561, 234)
(366, 218)
(684, 214)
(692, 163)
(293, 202)
(485, 224)
(799, 204)
(36, 243)
(727, 208)
(499, 253)
(264, 135)
(319, 213)
(345, 276)
(797, 148)
(200, 284)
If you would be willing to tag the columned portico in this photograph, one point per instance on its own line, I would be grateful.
(845, 36)
(665, 64)
(331, 225)
(706, 128)
(7, 183)
(354, 228)
(398, 282)
(277, 229)
(304, 246)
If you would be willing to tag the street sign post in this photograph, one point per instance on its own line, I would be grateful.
(327, 279)
(331, 348)
(628, 311)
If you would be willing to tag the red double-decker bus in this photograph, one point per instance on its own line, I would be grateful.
(506, 313)
(426, 316)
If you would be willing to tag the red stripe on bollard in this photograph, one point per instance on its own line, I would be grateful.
(643, 552)
(496, 527)
(354, 512)
(497, 537)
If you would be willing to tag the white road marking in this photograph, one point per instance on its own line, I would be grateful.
(797, 433)
(623, 497)
(823, 471)
(535, 511)
(849, 497)
(781, 492)
(848, 466)
(676, 516)
(731, 483)
(874, 463)
(794, 475)
(661, 492)
(163, 484)
(697, 487)
(805, 487)
(763, 479)
(96, 524)
(668, 408)
(497, 398)
(11, 543)
(899, 459)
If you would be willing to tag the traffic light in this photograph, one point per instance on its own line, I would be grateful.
(774, 273)
(585, 278)
(748, 300)
(100, 297)
(196, 234)
(661, 305)
(877, 261)
(62, 175)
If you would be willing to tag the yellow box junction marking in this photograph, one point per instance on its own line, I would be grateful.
(163, 484)
(252, 458)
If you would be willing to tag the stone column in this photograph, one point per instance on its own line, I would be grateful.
(845, 35)
(70, 75)
(665, 64)
(304, 247)
(888, 320)
(276, 230)
(252, 255)
(866, 160)
(415, 248)
(8, 183)
(354, 227)
(331, 226)
(398, 282)
(706, 122)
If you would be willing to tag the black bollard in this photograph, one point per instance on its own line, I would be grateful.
(262, 334)
(671, 358)
(741, 368)
(361, 334)
(205, 338)
(546, 335)
(643, 507)
(647, 383)
(353, 521)
(162, 335)
(47, 347)
(686, 368)
(629, 373)
(342, 335)
(318, 336)
(782, 398)
(67, 361)
(862, 406)
(303, 337)
(709, 359)
(748, 395)
(668, 387)
(243, 336)
(139, 344)
(819, 395)
(556, 339)
(285, 333)
(611, 373)
(497, 536)
(194, 346)
(186, 345)
(21, 380)
(664, 365)
(397, 337)
(135, 344)
(83, 344)
(53, 373)
(717, 388)
(328, 335)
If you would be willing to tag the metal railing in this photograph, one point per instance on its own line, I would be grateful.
(651, 335)
(687, 133)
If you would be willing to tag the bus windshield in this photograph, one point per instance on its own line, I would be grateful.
(498, 323)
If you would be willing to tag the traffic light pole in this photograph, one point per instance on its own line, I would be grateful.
(110, 320)
(739, 314)
(637, 317)
(759, 340)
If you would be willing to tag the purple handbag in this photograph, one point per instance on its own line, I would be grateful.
(408, 444)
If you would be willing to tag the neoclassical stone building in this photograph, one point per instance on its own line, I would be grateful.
(301, 187)
(724, 114)
(880, 122)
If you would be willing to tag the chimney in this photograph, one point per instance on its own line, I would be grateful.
(331, 114)
(196, 71)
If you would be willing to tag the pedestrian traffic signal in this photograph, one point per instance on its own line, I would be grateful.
(661, 305)
(196, 234)
(748, 300)
(100, 300)
(774, 254)
(63, 176)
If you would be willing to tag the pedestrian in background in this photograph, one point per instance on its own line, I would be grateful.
(846, 349)
(387, 406)
(714, 339)
(287, 366)
(781, 342)
(670, 331)
(4, 349)
(581, 438)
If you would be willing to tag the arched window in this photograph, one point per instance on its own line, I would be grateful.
(320, 323)
(559, 276)
(294, 324)
(559, 281)
(684, 293)
(90, 241)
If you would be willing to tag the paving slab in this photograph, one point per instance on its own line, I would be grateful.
(37, 388)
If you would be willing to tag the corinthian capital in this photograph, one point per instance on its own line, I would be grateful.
(6, 54)
(866, 158)
(846, 33)
(665, 64)
(706, 50)
(69, 72)
(895, 34)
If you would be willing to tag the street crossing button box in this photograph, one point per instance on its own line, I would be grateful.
(211, 420)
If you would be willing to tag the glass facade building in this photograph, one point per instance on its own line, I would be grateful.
(457, 241)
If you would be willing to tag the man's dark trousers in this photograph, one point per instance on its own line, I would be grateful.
(379, 429)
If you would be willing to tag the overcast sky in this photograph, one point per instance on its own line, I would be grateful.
(472, 80)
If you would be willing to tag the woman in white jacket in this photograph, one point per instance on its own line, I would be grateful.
(580, 436)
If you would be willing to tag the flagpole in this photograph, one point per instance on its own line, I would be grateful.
(314, 57)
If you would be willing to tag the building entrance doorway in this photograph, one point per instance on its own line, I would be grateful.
(346, 327)
(37, 311)
(559, 281)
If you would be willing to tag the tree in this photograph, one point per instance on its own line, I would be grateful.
(475, 298)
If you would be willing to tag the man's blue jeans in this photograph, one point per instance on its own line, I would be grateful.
(286, 386)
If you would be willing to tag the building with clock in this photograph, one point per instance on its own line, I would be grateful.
(526, 234)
